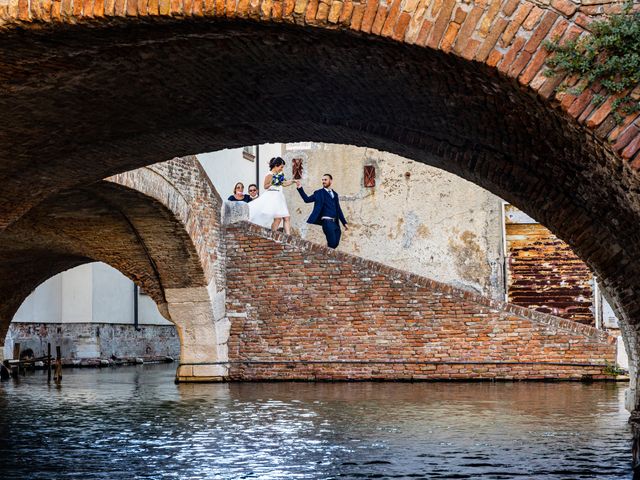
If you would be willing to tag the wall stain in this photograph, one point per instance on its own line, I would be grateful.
(470, 259)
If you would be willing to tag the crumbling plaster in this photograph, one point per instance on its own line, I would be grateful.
(417, 218)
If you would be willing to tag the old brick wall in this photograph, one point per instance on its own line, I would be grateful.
(301, 311)
(183, 186)
(83, 341)
(544, 274)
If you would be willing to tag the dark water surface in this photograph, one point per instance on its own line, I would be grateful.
(133, 422)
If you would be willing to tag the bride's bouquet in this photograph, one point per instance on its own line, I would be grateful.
(277, 179)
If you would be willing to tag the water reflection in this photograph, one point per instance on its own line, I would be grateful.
(135, 423)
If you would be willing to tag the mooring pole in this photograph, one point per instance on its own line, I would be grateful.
(49, 362)
(58, 375)
(15, 370)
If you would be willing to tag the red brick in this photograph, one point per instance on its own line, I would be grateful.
(631, 150)
(356, 18)
(392, 18)
(441, 23)
(378, 22)
(77, 8)
(132, 8)
(369, 15)
(566, 7)
(491, 39)
(440, 336)
(510, 57)
(514, 24)
(98, 8)
(312, 10)
(467, 29)
(449, 37)
(401, 26)
(425, 31)
(541, 32)
(510, 7)
(346, 13)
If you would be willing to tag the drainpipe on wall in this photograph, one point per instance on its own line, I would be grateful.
(258, 168)
(596, 305)
(135, 308)
(505, 251)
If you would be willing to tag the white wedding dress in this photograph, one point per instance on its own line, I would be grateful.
(269, 205)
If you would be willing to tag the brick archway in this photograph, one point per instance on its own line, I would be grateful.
(98, 87)
(150, 224)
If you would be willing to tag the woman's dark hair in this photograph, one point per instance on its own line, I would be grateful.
(275, 162)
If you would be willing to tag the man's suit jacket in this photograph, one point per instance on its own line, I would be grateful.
(318, 198)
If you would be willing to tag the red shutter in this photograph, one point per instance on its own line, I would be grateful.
(369, 176)
(297, 168)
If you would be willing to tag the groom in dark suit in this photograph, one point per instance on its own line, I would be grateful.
(326, 210)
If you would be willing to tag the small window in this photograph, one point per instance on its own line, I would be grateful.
(369, 176)
(297, 168)
(249, 153)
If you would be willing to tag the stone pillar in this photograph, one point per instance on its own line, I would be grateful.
(233, 212)
(203, 328)
(630, 338)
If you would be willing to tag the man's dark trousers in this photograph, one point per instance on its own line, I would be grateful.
(332, 231)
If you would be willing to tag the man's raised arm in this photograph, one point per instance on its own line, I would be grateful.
(305, 197)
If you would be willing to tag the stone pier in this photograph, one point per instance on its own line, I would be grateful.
(203, 330)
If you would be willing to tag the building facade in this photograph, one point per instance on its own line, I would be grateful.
(92, 312)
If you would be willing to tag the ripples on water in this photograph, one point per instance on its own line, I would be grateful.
(134, 423)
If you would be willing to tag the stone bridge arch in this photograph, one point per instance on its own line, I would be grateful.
(158, 225)
(95, 87)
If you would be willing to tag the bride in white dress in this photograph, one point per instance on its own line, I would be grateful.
(270, 208)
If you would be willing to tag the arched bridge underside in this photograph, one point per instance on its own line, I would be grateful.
(157, 225)
(96, 87)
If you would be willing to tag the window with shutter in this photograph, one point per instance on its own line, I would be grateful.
(369, 176)
(297, 168)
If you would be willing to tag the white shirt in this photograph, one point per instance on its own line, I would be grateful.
(329, 191)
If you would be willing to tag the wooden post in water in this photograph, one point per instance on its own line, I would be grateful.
(49, 362)
(15, 371)
(58, 375)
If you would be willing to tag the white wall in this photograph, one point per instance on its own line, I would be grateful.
(112, 295)
(44, 304)
(227, 167)
(91, 293)
(76, 295)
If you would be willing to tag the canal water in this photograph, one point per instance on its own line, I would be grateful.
(135, 423)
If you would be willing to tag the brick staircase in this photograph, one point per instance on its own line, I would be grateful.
(302, 311)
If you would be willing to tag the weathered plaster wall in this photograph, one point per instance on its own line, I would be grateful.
(417, 218)
(79, 341)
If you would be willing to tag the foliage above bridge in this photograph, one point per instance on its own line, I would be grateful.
(608, 58)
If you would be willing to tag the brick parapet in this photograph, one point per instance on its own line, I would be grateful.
(376, 267)
(301, 311)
